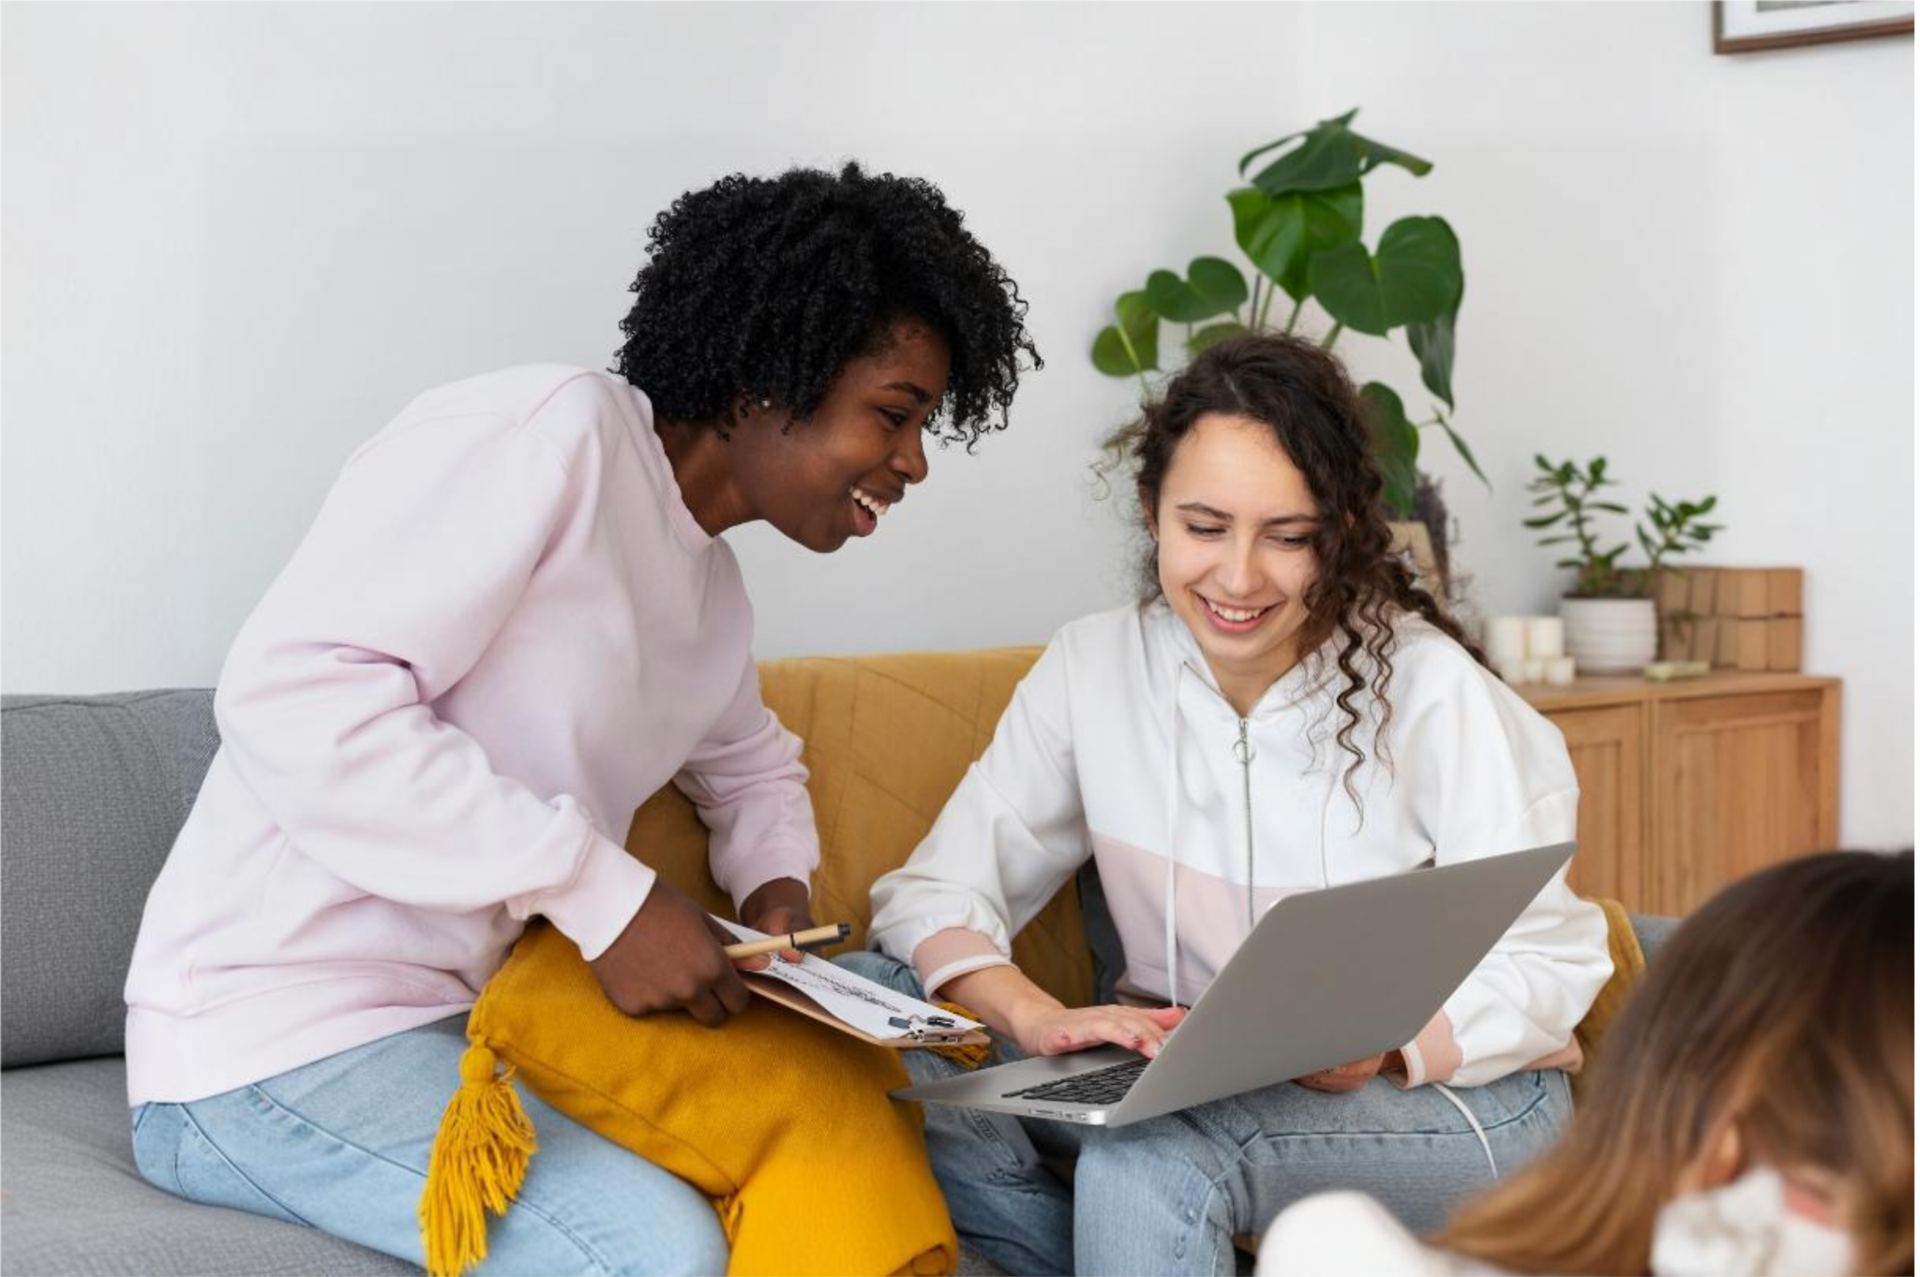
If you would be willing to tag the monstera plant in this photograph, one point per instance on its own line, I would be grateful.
(1301, 225)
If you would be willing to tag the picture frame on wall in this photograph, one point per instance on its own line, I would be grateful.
(1742, 26)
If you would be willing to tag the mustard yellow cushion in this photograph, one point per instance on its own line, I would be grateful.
(784, 1122)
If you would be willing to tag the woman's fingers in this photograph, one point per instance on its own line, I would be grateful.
(1347, 1077)
(1122, 1026)
(1329, 1081)
(706, 1009)
(732, 992)
(1151, 1028)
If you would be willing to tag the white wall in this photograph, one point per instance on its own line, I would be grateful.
(236, 238)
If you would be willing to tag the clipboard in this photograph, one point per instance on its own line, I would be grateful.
(791, 998)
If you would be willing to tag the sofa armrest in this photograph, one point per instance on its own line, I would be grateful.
(1652, 931)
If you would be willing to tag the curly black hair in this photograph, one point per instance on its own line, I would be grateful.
(768, 287)
(1304, 396)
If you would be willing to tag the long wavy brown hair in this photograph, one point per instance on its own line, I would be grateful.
(1304, 396)
(1784, 1006)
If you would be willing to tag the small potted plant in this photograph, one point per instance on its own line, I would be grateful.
(1609, 615)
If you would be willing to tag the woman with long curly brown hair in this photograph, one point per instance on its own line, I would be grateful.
(1284, 710)
(1750, 1113)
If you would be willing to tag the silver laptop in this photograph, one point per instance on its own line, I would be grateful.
(1327, 977)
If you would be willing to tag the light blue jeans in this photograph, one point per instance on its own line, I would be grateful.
(341, 1145)
(1169, 1194)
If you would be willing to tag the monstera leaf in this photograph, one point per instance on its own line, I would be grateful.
(1213, 286)
(1132, 346)
(1396, 445)
(1213, 334)
(1330, 154)
(1432, 344)
(1281, 234)
(1414, 278)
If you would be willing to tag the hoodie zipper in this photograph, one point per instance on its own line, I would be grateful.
(1243, 754)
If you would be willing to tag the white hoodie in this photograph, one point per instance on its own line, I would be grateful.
(1119, 744)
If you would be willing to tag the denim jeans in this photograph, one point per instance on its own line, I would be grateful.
(1169, 1194)
(341, 1145)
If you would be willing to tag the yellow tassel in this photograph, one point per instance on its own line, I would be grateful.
(970, 1056)
(479, 1162)
(731, 1210)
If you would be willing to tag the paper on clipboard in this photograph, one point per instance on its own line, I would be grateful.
(854, 1002)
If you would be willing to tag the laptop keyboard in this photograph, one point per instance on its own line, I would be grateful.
(1101, 1086)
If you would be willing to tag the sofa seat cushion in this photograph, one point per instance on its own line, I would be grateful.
(71, 1201)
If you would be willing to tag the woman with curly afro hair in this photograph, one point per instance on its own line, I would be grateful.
(513, 620)
(1283, 710)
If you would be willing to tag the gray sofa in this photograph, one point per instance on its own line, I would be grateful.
(95, 789)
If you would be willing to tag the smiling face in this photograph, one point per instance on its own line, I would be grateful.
(834, 475)
(1233, 525)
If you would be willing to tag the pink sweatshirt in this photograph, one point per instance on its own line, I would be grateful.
(502, 634)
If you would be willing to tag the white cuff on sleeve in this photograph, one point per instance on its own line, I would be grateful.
(964, 966)
(597, 905)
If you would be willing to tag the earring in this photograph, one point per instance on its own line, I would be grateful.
(766, 403)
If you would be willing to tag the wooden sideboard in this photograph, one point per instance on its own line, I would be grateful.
(1686, 786)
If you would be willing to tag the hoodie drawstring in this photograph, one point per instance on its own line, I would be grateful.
(1326, 812)
(1173, 807)
(1472, 1121)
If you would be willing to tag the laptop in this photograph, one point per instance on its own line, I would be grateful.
(1326, 977)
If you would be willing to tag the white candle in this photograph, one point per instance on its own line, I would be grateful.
(1506, 640)
(1546, 637)
(1536, 670)
(1560, 671)
(1512, 671)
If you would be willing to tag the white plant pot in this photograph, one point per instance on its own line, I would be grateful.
(1610, 636)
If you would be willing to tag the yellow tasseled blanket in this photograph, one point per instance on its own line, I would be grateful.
(783, 1122)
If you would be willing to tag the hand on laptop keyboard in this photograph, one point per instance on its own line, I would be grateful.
(1057, 1030)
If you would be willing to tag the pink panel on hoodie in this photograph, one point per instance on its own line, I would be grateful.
(1212, 915)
